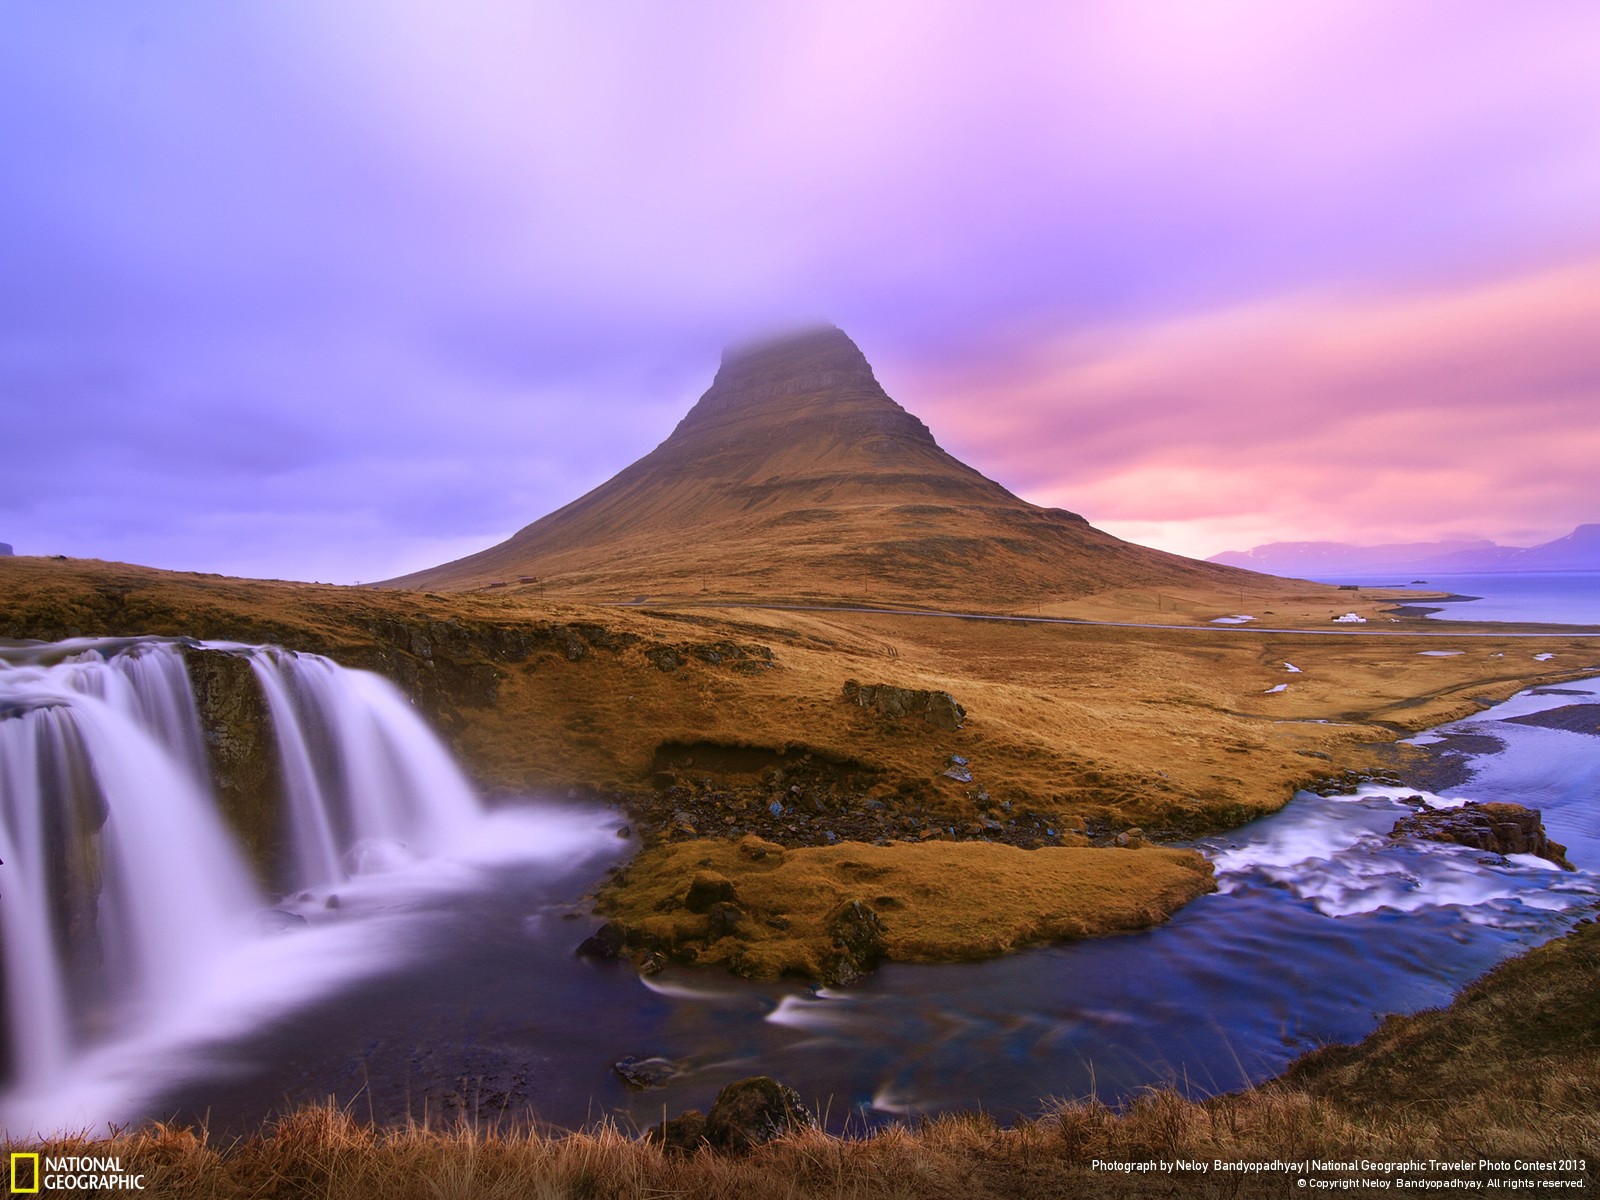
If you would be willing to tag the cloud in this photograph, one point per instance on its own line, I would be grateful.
(1360, 417)
(404, 272)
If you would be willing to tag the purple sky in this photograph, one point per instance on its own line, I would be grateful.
(339, 290)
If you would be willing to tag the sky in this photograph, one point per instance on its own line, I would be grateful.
(325, 291)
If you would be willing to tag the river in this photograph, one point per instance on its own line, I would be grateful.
(1321, 927)
(447, 985)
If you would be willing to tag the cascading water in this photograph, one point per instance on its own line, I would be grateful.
(126, 908)
(365, 783)
(121, 884)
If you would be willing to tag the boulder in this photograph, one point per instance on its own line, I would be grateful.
(753, 1112)
(642, 1073)
(706, 889)
(858, 944)
(684, 1134)
(1493, 827)
(938, 709)
(606, 943)
(722, 920)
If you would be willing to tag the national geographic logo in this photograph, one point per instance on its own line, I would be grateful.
(33, 1173)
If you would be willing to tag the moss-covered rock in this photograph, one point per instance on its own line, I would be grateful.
(237, 728)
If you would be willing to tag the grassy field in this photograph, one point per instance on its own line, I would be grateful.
(696, 720)
(693, 720)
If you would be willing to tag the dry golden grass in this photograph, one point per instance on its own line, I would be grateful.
(939, 901)
(1168, 730)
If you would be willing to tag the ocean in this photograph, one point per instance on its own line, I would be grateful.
(1559, 597)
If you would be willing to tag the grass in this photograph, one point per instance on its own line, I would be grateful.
(938, 901)
(1082, 727)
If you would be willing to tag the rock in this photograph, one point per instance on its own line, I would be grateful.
(939, 709)
(237, 729)
(5, 549)
(664, 658)
(606, 943)
(652, 963)
(278, 920)
(858, 945)
(753, 1112)
(642, 1073)
(683, 1134)
(722, 919)
(708, 888)
(758, 849)
(959, 774)
(1493, 827)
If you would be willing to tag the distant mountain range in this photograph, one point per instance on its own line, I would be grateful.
(1577, 551)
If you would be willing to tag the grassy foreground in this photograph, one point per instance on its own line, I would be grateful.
(1511, 1070)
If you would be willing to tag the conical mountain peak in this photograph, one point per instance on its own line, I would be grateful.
(816, 377)
(796, 476)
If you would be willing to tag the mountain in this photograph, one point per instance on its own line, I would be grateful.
(796, 476)
(1577, 551)
(1304, 559)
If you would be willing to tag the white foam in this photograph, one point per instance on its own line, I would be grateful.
(813, 1012)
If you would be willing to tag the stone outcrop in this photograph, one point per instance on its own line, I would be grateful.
(606, 943)
(237, 728)
(707, 889)
(5, 549)
(938, 709)
(1492, 827)
(746, 1114)
(858, 943)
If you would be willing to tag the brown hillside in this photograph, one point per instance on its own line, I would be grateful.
(796, 477)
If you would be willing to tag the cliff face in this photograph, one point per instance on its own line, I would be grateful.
(795, 476)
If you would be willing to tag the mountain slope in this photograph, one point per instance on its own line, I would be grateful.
(796, 476)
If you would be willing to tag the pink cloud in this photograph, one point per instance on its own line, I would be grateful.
(1369, 417)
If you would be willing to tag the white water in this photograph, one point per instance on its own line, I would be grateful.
(133, 933)
(365, 782)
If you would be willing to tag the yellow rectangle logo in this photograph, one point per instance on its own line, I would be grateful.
(31, 1161)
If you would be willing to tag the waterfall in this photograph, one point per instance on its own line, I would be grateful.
(122, 886)
(365, 782)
